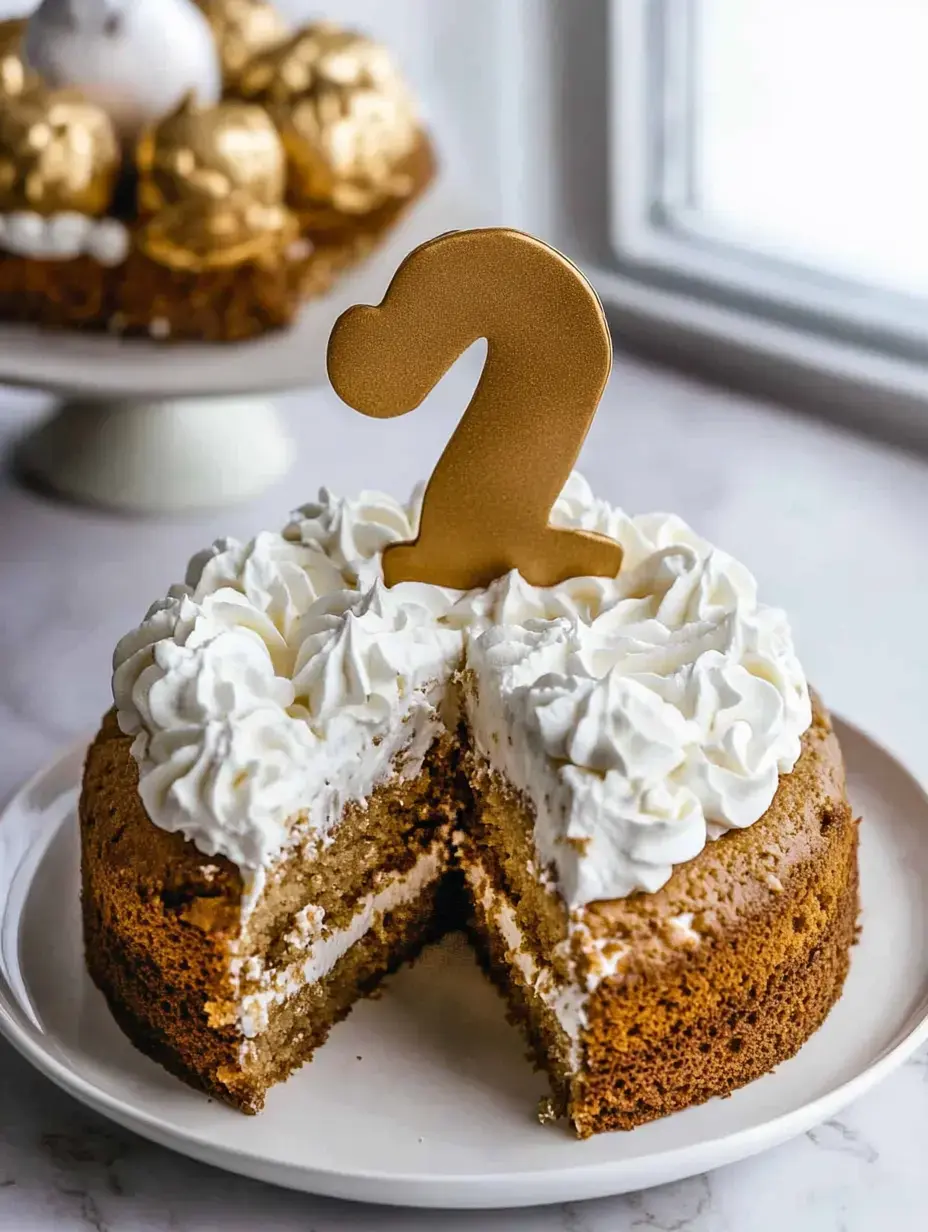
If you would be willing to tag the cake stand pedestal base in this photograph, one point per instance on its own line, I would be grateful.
(158, 455)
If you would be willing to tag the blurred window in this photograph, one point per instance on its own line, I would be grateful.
(772, 156)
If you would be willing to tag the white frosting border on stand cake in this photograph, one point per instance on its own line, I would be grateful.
(64, 236)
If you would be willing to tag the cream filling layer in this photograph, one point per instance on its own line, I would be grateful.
(566, 1001)
(324, 949)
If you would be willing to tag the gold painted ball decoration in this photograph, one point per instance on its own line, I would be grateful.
(211, 153)
(13, 71)
(198, 235)
(57, 152)
(242, 29)
(315, 129)
(346, 117)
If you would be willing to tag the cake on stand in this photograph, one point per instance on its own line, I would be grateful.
(156, 427)
(250, 137)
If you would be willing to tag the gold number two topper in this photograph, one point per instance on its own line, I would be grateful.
(549, 354)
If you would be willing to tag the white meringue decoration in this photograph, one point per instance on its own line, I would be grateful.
(641, 715)
(134, 58)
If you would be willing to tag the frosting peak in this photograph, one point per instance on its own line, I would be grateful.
(353, 533)
(365, 661)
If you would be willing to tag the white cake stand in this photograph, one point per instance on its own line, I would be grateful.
(151, 427)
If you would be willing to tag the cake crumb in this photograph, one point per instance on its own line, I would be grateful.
(682, 930)
(547, 1110)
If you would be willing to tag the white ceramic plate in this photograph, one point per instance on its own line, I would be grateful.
(423, 1096)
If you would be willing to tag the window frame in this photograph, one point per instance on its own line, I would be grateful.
(658, 235)
(677, 293)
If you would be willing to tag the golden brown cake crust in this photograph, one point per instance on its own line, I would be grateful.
(158, 917)
(141, 297)
(774, 908)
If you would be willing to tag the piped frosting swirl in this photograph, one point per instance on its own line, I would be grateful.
(641, 715)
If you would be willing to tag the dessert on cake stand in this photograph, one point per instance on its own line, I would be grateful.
(189, 167)
(148, 426)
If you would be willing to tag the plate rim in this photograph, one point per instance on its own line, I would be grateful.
(462, 1191)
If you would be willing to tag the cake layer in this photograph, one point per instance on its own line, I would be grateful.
(296, 1028)
(635, 1073)
(549, 1008)
(368, 839)
(299, 1025)
(313, 948)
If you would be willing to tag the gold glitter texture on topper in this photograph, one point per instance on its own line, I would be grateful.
(346, 117)
(57, 153)
(549, 354)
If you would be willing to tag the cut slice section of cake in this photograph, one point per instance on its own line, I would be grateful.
(642, 1006)
(274, 837)
(233, 997)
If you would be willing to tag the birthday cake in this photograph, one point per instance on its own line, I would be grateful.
(618, 782)
(205, 200)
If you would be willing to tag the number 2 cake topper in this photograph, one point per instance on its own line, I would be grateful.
(549, 354)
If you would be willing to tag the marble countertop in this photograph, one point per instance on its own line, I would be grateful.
(833, 526)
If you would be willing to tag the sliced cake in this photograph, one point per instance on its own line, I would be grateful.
(620, 786)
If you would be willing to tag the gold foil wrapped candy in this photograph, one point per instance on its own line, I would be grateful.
(212, 181)
(57, 153)
(210, 154)
(199, 235)
(347, 120)
(242, 29)
(13, 72)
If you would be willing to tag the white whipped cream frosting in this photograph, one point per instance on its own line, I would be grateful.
(641, 715)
